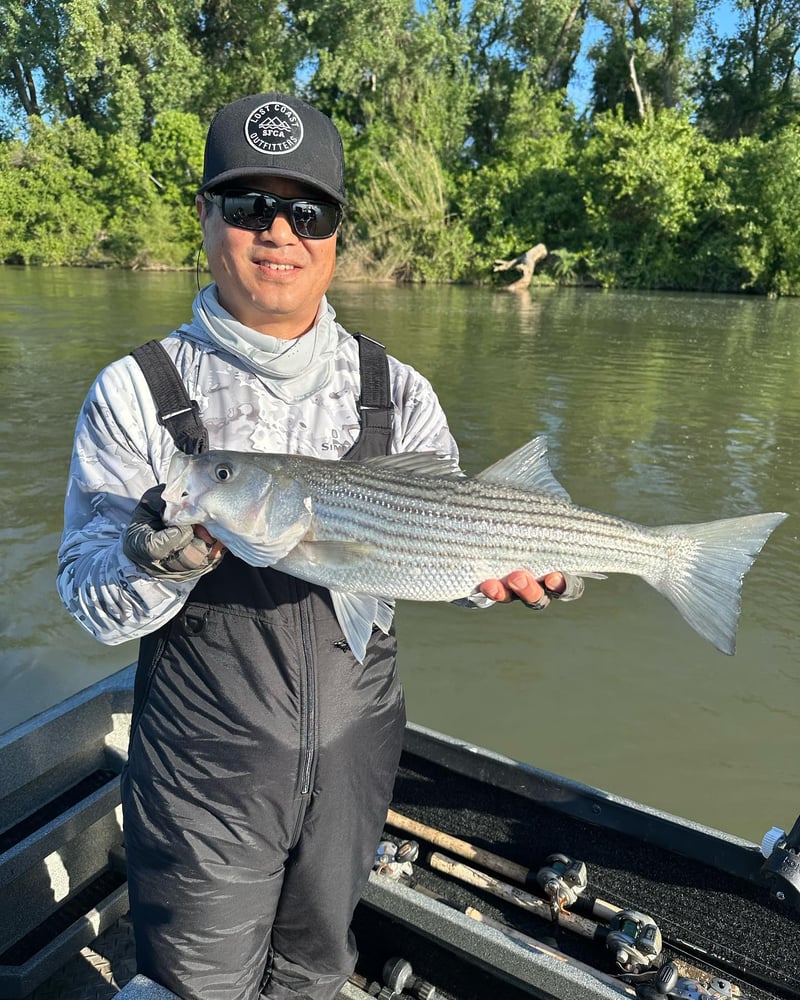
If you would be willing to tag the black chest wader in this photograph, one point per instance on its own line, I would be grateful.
(262, 760)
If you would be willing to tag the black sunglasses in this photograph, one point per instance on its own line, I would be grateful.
(256, 210)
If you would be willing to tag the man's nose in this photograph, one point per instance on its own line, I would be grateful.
(281, 229)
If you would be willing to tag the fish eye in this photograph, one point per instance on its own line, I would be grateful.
(223, 472)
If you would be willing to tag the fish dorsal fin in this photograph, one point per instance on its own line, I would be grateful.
(417, 463)
(527, 468)
(357, 613)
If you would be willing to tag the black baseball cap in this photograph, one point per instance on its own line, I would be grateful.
(274, 135)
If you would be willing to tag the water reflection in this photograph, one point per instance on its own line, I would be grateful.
(660, 408)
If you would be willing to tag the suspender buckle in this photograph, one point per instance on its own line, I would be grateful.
(164, 417)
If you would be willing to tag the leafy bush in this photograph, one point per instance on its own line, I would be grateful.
(765, 181)
(528, 190)
(648, 188)
(402, 226)
(51, 212)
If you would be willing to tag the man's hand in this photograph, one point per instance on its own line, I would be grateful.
(175, 552)
(535, 592)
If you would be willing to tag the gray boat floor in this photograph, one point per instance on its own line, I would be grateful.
(102, 970)
(98, 972)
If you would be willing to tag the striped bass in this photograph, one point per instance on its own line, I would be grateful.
(411, 526)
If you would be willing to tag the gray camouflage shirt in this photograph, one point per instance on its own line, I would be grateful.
(121, 450)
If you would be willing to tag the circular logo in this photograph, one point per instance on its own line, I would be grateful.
(274, 128)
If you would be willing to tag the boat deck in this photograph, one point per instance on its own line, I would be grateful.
(62, 856)
(101, 971)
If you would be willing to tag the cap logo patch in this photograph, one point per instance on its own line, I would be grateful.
(274, 128)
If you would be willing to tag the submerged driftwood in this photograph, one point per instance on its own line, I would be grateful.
(526, 263)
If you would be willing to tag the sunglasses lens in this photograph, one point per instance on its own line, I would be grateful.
(314, 220)
(311, 220)
(249, 211)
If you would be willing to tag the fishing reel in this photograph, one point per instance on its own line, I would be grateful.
(562, 880)
(781, 869)
(399, 977)
(395, 861)
(668, 982)
(635, 940)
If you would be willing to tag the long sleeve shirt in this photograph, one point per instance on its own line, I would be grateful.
(121, 450)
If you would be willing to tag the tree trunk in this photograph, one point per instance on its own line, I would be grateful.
(526, 263)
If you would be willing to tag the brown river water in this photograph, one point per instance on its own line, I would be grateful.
(658, 407)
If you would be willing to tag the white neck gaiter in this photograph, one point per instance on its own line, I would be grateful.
(292, 369)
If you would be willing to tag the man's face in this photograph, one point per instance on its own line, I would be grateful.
(272, 281)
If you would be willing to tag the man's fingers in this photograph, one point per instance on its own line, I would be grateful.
(519, 584)
(495, 591)
(528, 589)
(535, 593)
(554, 584)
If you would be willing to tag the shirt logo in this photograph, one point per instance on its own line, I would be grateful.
(274, 128)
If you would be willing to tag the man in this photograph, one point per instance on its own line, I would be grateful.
(262, 754)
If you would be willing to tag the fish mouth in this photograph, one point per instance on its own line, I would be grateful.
(178, 507)
(179, 510)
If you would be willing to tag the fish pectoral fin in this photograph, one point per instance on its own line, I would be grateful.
(323, 553)
(357, 613)
(527, 468)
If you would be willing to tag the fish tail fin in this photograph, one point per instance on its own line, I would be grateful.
(704, 570)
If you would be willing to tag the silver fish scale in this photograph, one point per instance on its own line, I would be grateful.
(436, 538)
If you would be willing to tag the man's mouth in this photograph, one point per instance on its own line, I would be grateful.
(270, 266)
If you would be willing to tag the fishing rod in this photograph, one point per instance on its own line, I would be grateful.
(635, 935)
(683, 981)
(565, 890)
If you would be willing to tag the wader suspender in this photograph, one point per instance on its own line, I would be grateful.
(181, 416)
(375, 404)
(175, 411)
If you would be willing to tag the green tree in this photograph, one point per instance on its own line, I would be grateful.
(748, 82)
(765, 181)
(642, 62)
(247, 47)
(649, 189)
(529, 191)
(149, 191)
(115, 64)
(352, 47)
(28, 60)
(403, 109)
(52, 214)
(534, 39)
